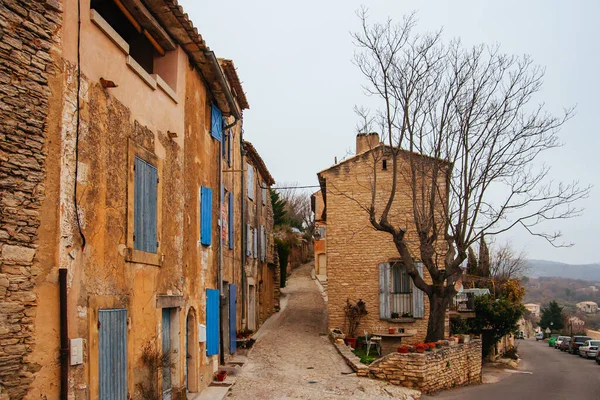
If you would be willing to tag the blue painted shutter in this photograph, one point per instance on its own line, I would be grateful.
(231, 220)
(212, 322)
(216, 123)
(232, 318)
(418, 299)
(206, 216)
(384, 291)
(112, 354)
(145, 206)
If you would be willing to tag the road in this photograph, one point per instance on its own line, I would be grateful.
(545, 373)
(293, 358)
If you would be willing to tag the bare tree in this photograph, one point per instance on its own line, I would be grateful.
(507, 264)
(297, 206)
(464, 121)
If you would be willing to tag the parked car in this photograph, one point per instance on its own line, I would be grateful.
(564, 346)
(559, 340)
(539, 336)
(577, 342)
(598, 357)
(589, 349)
(520, 335)
(552, 341)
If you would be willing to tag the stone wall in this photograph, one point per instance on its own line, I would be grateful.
(27, 36)
(429, 372)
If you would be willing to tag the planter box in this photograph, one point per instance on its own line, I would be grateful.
(402, 320)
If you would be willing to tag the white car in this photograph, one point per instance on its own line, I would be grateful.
(539, 336)
(589, 348)
(559, 340)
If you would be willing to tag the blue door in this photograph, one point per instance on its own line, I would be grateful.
(212, 322)
(112, 354)
(232, 315)
(166, 348)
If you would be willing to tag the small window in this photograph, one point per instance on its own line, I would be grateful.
(401, 294)
(140, 48)
(145, 206)
(384, 164)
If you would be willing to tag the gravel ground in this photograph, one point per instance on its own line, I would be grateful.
(294, 359)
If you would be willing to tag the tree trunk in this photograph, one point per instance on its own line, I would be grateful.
(437, 315)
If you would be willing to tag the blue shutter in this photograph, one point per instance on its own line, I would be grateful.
(216, 123)
(212, 322)
(145, 206)
(232, 318)
(418, 300)
(206, 216)
(166, 350)
(231, 220)
(384, 291)
(112, 354)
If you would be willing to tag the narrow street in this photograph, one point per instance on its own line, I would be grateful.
(545, 373)
(293, 358)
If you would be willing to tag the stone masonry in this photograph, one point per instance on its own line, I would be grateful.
(429, 372)
(27, 35)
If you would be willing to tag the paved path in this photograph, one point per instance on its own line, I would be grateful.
(553, 375)
(293, 358)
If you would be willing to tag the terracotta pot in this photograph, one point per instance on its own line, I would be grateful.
(420, 350)
(403, 349)
(351, 342)
(392, 330)
(221, 375)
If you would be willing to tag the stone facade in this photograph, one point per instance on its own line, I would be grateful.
(27, 42)
(354, 249)
(429, 372)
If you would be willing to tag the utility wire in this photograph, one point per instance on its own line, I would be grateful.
(294, 187)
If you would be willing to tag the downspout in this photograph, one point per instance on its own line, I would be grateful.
(243, 228)
(64, 336)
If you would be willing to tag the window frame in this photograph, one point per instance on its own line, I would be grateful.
(132, 255)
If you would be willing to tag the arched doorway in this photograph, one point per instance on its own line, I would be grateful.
(191, 352)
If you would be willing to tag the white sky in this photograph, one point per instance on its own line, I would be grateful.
(294, 60)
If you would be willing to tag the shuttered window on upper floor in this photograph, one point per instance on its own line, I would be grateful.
(250, 182)
(145, 206)
(216, 123)
(205, 216)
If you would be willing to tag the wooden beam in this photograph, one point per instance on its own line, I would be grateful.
(143, 16)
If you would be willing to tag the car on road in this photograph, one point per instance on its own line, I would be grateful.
(551, 341)
(589, 349)
(520, 335)
(559, 340)
(564, 346)
(539, 336)
(577, 342)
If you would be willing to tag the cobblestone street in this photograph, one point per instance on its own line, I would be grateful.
(294, 359)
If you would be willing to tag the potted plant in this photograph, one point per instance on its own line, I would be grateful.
(461, 339)
(438, 345)
(354, 312)
(221, 375)
(403, 349)
(420, 347)
(391, 330)
(395, 315)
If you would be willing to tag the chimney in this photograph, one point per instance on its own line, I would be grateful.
(366, 141)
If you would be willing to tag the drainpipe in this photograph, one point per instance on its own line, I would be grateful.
(64, 336)
(244, 239)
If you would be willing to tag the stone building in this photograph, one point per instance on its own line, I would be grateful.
(121, 201)
(588, 307)
(262, 265)
(362, 263)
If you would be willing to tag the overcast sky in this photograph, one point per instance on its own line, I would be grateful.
(294, 60)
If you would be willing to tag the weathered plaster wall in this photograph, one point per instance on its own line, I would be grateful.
(355, 249)
(29, 35)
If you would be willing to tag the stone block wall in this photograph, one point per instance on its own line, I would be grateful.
(429, 372)
(27, 36)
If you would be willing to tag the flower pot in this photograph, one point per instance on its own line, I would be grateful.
(391, 330)
(221, 375)
(403, 349)
(350, 342)
(420, 350)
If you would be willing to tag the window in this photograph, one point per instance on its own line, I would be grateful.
(227, 139)
(205, 216)
(397, 294)
(250, 182)
(140, 48)
(145, 206)
(216, 122)
(384, 164)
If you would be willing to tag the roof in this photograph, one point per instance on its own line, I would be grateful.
(258, 163)
(532, 304)
(234, 81)
(591, 303)
(476, 291)
(179, 26)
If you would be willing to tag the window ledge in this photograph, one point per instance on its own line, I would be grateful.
(142, 257)
(109, 31)
(164, 86)
(402, 320)
(137, 68)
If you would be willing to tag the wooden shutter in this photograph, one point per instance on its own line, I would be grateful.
(255, 244)
(145, 206)
(212, 322)
(248, 240)
(418, 300)
(216, 123)
(206, 216)
(229, 148)
(112, 354)
(250, 182)
(384, 291)
(231, 220)
(262, 243)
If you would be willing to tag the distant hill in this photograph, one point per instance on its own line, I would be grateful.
(588, 272)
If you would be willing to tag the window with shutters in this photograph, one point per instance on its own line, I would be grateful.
(143, 206)
(398, 296)
(250, 182)
(216, 123)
